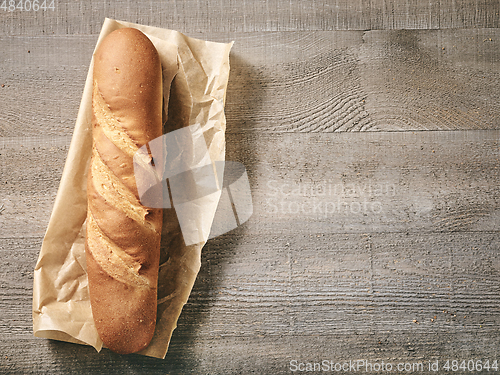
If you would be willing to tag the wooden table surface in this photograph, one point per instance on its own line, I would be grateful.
(370, 132)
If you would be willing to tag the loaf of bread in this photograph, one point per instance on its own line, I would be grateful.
(123, 236)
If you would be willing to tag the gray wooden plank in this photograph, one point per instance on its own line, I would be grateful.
(312, 285)
(249, 16)
(379, 80)
(30, 170)
(431, 80)
(41, 84)
(346, 283)
(371, 182)
(420, 282)
(250, 357)
(289, 81)
(262, 301)
(297, 82)
(337, 182)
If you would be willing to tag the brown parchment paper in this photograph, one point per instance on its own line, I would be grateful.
(198, 72)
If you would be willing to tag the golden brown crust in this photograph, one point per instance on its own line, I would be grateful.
(123, 237)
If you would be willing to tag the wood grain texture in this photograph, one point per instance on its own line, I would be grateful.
(358, 81)
(260, 302)
(372, 182)
(53, 71)
(372, 238)
(86, 17)
(289, 81)
(30, 169)
(432, 80)
(414, 277)
(369, 182)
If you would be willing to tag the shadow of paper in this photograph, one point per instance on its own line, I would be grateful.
(186, 346)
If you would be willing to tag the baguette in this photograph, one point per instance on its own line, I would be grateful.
(122, 236)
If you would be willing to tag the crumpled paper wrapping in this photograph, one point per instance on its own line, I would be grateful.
(198, 72)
